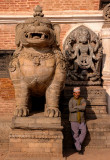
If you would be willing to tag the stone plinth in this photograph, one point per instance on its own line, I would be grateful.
(37, 136)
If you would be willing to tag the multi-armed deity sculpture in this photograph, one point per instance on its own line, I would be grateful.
(84, 53)
(37, 66)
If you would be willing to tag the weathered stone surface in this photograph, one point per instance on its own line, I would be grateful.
(37, 121)
(83, 50)
(37, 135)
(37, 66)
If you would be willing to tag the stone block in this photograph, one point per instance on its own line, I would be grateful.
(15, 140)
(47, 150)
(14, 149)
(18, 145)
(36, 121)
(45, 139)
(37, 150)
(41, 145)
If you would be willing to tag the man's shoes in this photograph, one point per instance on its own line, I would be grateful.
(81, 152)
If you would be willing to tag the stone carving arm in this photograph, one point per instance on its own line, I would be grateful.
(95, 49)
(70, 51)
(91, 49)
(76, 53)
(97, 44)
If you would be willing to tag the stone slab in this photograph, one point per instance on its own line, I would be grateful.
(36, 121)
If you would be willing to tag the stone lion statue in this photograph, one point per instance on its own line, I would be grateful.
(37, 66)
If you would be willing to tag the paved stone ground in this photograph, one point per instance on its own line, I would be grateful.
(90, 154)
(3, 154)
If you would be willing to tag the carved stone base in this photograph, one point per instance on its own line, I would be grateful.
(34, 137)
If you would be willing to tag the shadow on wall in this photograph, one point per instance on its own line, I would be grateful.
(104, 60)
(108, 105)
(107, 95)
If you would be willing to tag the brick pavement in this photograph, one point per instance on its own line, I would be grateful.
(90, 154)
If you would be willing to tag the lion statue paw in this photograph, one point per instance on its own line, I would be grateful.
(52, 112)
(21, 112)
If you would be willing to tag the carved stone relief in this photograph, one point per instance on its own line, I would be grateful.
(83, 51)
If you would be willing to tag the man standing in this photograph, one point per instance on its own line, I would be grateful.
(77, 107)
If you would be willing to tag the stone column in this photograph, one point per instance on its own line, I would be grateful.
(105, 33)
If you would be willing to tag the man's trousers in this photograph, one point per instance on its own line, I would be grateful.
(79, 133)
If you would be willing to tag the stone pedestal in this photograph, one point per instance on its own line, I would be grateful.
(35, 137)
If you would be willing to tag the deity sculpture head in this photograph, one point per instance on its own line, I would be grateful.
(83, 36)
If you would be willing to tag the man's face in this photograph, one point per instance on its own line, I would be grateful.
(76, 94)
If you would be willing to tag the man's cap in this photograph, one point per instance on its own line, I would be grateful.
(76, 89)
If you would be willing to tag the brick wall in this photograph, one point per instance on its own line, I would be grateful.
(7, 36)
(25, 7)
(7, 98)
(18, 6)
